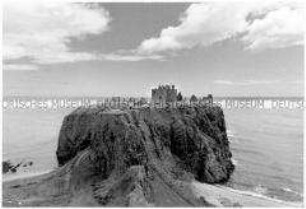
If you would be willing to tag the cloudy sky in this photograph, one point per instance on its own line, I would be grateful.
(105, 49)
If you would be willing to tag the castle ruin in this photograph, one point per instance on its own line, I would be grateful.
(164, 94)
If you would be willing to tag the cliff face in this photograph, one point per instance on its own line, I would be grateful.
(140, 157)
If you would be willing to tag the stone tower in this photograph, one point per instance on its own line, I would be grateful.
(164, 94)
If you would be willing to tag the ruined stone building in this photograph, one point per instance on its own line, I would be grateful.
(164, 94)
(207, 100)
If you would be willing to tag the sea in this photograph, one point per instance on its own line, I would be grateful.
(266, 143)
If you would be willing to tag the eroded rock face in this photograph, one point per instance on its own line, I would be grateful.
(168, 145)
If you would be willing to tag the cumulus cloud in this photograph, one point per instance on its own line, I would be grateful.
(279, 28)
(259, 24)
(41, 30)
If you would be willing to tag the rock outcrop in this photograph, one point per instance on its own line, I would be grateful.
(144, 156)
(9, 167)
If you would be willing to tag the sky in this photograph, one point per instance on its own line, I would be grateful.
(230, 48)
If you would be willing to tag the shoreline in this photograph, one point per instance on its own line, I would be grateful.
(221, 196)
(254, 194)
(226, 196)
(19, 177)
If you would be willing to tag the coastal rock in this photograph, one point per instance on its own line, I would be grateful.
(165, 147)
(9, 167)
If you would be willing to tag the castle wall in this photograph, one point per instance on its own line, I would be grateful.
(164, 94)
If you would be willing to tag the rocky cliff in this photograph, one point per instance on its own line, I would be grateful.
(142, 157)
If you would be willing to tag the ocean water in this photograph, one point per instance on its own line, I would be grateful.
(267, 147)
(31, 135)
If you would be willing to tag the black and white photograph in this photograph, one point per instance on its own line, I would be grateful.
(152, 103)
